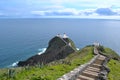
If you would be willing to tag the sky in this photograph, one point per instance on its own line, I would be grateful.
(59, 8)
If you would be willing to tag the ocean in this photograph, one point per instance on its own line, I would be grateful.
(23, 38)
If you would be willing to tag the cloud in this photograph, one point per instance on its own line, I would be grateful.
(105, 11)
(52, 13)
(60, 7)
(117, 11)
(60, 12)
(33, 8)
(87, 3)
(64, 12)
(39, 13)
(75, 12)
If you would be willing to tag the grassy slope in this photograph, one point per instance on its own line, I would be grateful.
(111, 53)
(114, 70)
(51, 71)
(113, 64)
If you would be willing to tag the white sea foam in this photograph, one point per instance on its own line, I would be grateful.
(42, 50)
(77, 48)
(13, 64)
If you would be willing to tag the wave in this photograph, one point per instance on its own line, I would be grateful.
(13, 64)
(42, 50)
(77, 48)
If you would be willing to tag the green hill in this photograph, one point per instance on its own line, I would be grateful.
(113, 64)
(51, 71)
(57, 68)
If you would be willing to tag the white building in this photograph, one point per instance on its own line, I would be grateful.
(96, 44)
(65, 36)
(59, 35)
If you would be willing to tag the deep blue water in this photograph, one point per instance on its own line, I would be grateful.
(22, 38)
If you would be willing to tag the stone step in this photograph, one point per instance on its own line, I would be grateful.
(101, 58)
(96, 65)
(98, 62)
(92, 71)
(93, 68)
(90, 74)
(81, 77)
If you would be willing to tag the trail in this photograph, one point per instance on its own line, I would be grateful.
(95, 69)
(92, 71)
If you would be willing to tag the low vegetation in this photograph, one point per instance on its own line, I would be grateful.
(114, 64)
(109, 52)
(57, 68)
(51, 71)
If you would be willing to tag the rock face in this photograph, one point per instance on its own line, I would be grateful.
(58, 48)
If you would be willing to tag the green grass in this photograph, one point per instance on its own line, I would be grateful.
(56, 69)
(111, 53)
(51, 71)
(114, 66)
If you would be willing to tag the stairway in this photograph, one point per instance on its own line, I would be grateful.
(92, 71)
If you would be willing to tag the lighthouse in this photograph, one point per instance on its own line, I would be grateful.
(65, 36)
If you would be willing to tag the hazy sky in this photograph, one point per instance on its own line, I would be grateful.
(73, 8)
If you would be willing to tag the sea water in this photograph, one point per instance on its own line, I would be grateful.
(23, 38)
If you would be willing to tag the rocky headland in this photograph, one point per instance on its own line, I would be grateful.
(58, 48)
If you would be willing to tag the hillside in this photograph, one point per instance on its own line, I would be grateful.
(113, 64)
(51, 71)
(60, 57)
(109, 52)
(58, 48)
(57, 68)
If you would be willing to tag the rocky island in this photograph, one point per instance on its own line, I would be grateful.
(58, 48)
(62, 61)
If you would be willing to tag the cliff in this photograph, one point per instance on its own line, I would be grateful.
(58, 48)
